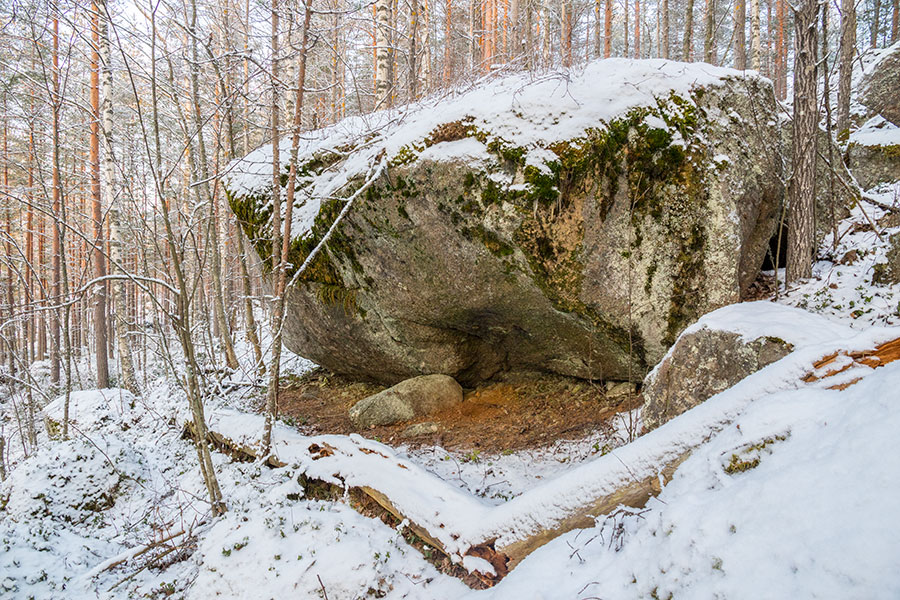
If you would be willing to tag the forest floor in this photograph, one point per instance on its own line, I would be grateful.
(519, 412)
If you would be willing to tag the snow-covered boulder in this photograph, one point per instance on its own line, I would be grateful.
(881, 85)
(573, 224)
(723, 348)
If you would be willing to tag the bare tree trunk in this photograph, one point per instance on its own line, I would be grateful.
(895, 21)
(55, 247)
(413, 50)
(637, 28)
(384, 55)
(875, 27)
(740, 34)
(665, 29)
(709, 37)
(607, 29)
(280, 273)
(755, 39)
(780, 53)
(687, 50)
(181, 319)
(848, 46)
(801, 195)
(117, 240)
(207, 197)
(96, 208)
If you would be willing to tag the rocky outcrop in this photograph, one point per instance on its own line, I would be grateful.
(888, 273)
(881, 85)
(416, 397)
(700, 365)
(873, 152)
(518, 230)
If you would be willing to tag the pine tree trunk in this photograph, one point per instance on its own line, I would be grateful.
(637, 28)
(740, 34)
(709, 42)
(848, 46)
(801, 195)
(895, 21)
(874, 28)
(687, 49)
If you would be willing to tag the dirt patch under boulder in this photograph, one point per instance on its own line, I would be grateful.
(520, 411)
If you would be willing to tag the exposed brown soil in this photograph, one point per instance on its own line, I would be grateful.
(521, 411)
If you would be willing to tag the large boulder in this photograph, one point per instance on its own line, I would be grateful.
(570, 225)
(881, 85)
(416, 397)
(723, 348)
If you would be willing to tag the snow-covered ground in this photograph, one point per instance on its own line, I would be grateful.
(818, 516)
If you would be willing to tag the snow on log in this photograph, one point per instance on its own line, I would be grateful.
(460, 525)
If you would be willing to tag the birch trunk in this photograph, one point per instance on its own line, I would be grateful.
(117, 239)
(755, 39)
(97, 255)
(384, 56)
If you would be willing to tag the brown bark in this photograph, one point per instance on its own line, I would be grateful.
(801, 194)
(740, 34)
(847, 48)
(687, 51)
(607, 29)
(637, 28)
(709, 41)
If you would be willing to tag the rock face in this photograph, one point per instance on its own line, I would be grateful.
(416, 397)
(889, 273)
(699, 366)
(873, 152)
(881, 86)
(522, 230)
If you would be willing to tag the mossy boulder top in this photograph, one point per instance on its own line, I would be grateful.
(571, 223)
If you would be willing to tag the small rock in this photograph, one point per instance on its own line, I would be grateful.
(418, 429)
(617, 389)
(849, 258)
(411, 398)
